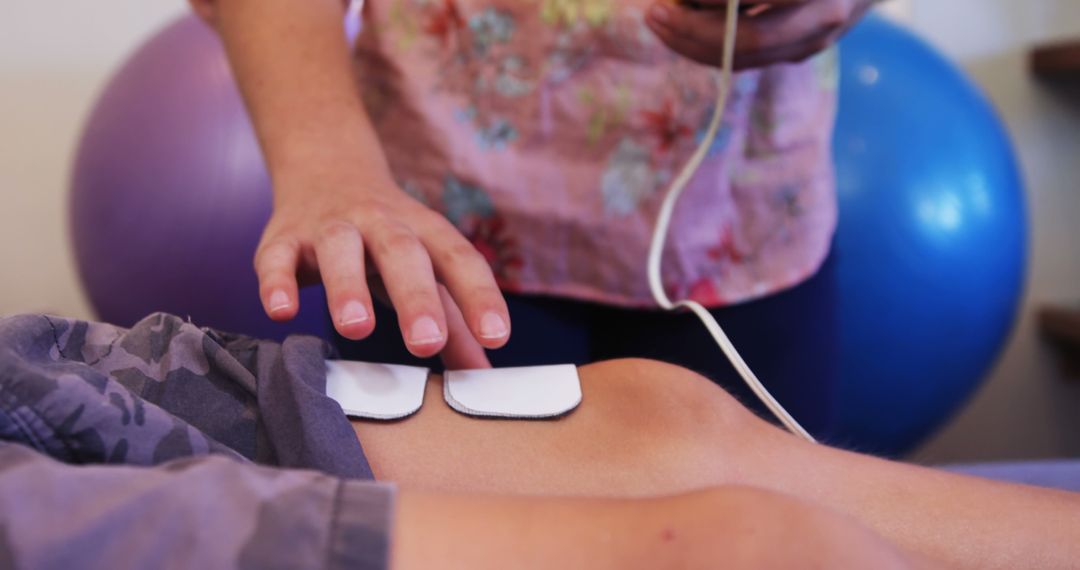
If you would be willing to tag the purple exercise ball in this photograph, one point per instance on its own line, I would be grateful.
(170, 193)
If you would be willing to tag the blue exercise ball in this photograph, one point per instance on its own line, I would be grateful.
(929, 260)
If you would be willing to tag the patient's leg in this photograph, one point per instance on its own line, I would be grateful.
(730, 527)
(647, 429)
(643, 429)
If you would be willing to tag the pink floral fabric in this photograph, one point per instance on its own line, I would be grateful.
(548, 131)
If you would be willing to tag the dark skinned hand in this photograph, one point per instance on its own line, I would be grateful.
(770, 32)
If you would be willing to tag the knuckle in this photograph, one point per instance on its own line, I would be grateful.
(417, 298)
(490, 295)
(437, 220)
(335, 227)
(335, 230)
(276, 248)
(395, 241)
(280, 240)
(371, 209)
(463, 254)
(339, 272)
(347, 283)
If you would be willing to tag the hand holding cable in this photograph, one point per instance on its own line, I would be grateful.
(770, 31)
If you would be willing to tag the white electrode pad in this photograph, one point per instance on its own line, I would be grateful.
(532, 392)
(376, 391)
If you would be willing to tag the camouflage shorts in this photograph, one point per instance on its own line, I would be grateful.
(167, 390)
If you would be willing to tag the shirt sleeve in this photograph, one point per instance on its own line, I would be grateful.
(200, 512)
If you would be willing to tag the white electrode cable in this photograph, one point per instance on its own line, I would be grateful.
(354, 24)
(663, 222)
(354, 21)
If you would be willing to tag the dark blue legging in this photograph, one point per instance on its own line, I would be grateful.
(551, 330)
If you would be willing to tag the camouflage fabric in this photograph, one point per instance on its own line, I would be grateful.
(173, 420)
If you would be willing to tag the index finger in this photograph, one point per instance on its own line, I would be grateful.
(275, 265)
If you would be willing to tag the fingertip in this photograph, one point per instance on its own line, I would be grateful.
(494, 344)
(425, 337)
(355, 320)
(494, 330)
(426, 350)
(280, 306)
(354, 312)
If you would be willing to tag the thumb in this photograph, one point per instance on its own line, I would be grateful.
(462, 352)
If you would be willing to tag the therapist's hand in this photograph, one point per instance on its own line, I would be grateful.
(344, 228)
(338, 215)
(770, 31)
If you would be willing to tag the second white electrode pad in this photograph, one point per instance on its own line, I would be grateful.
(376, 391)
(532, 392)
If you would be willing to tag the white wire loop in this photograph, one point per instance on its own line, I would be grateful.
(663, 224)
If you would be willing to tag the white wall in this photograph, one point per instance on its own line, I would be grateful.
(56, 55)
(897, 9)
(54, 58)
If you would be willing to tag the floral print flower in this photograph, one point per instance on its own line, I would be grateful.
(470, 209)
(665, 126)
(704, 291)
(723, 135)
(463, 202)
(445, 22)
(604, 114)
(629, 178)
(413, 189)
(497, 135)
(725, 249)
(570, 12)
(510, 78)
(490, 27)
(490, 238)
(787, 200)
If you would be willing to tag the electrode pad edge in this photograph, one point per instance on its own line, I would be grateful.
(532, 392)
(376, 391)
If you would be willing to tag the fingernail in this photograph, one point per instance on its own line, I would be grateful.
(493, 326)
(425, 331)
(660, 12)
(279, 301)
(354, 312)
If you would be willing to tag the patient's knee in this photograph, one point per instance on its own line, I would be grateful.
(667, 399)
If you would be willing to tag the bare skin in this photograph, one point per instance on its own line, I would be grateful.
(730, 527)
(627, 439)
(647, 429)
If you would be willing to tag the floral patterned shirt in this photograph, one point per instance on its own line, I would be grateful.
(548, 132)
